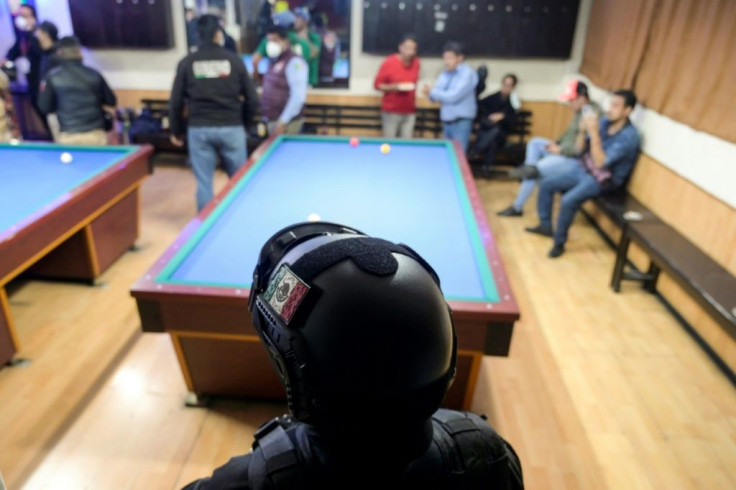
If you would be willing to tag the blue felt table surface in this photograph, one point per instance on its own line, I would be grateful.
(412, 195)
(32, 178)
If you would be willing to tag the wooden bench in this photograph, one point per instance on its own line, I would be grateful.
(702, 278)
(336, 119)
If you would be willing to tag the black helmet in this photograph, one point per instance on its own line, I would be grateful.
(355, 326)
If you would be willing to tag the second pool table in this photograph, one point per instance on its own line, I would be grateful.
(65, 213)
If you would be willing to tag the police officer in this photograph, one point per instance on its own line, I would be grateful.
(363, 341)
(215, 84)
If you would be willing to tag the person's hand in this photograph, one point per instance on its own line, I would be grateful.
(176, 141)
(590, 123)
(553, 148)
(496, 116)
(278, 129)
(426, 90)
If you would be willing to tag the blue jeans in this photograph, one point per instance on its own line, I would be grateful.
(206, 144)
(535, 150)
(578, 186)
(548, 166)
(458, 130)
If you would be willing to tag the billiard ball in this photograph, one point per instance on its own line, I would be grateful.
(354, 142)
(385, 148)
(313, 217)
(66, 157)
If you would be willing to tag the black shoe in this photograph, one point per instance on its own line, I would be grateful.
(510, 211)
(556, 251)
(540, 230)
(524, 172)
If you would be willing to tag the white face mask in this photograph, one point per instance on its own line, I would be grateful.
(21, 23)
(273, 49)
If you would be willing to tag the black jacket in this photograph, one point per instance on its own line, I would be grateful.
(27, 45)
(214, 82)
(497, 103)
(464, 452)
(76, 93)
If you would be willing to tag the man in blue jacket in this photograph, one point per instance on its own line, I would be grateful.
(612, 146)
(455, 91)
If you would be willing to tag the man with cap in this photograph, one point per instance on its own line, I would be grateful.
(284, 85)
(545, 157)
(313, 41)
(288, 21)
(363, 342)
(611, 146)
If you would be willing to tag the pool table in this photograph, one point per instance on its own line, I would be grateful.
(420, 193)
(65, 213)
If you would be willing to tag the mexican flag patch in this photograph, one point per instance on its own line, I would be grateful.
(285, 292)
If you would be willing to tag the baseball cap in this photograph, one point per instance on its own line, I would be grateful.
(302, 12)
(284, 19)
(573, 90)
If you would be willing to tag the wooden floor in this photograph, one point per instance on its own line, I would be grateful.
(601, 390)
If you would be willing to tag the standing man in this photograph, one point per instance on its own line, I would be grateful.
(285, 20)
(455, 91)
(497, 118)
(284, 85)
(78, 95)
(612, 146)
(26, 52)
(215, 83)
(48, 37)
(546, 157)
(312, 41)
(397, 79)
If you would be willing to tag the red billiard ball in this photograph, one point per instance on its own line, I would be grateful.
(354, 142)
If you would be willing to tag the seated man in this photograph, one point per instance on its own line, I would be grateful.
(284, 85)
(545, 157)
(497, 118)
(362, 339)
(612, 146)
(78, 95)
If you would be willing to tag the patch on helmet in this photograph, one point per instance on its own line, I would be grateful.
(285, 292)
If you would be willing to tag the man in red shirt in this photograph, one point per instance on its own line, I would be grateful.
(397, 79)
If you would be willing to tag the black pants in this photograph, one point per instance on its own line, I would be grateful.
(488, 141)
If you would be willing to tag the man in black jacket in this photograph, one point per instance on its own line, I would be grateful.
(78, 95)
(215, 83)
(26, 51)
(497, 117)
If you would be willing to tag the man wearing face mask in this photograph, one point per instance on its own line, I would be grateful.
(284, 85)
(287, 21)
(26, 52)
(215, 84)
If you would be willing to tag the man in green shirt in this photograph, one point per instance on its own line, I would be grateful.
(545, 157)
(304, 42)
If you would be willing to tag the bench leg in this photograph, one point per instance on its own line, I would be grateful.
(651, 283)
(621, 254)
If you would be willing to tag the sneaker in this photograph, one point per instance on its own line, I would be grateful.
(556, 251)
(510, 211)
(540, 230)
(524, 172)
